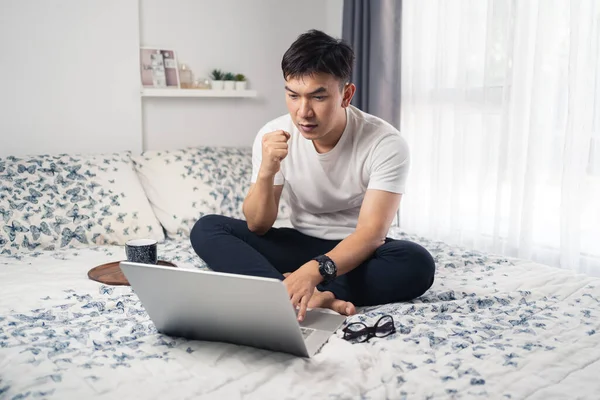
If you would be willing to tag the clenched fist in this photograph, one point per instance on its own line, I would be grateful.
(274, 149)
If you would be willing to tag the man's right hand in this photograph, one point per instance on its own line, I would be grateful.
(274, 149)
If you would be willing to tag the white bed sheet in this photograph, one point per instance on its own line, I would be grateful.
(490, 327)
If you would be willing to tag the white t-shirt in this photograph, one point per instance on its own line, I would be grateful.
(325, 191)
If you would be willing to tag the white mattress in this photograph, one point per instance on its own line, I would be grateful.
(489, 327)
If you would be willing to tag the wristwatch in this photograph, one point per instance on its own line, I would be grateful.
(327, 268)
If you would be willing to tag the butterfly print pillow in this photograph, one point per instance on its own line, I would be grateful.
(52, 202)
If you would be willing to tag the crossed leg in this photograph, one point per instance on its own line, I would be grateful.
(399, 270)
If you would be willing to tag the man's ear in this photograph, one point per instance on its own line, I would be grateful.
(349, 90)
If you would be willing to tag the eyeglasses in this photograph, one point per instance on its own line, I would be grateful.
(362, 333)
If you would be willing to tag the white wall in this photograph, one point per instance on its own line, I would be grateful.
(69, 70)
(249, 37)
(335, 14)
(69, 76)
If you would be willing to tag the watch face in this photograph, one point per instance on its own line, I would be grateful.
(329, 268)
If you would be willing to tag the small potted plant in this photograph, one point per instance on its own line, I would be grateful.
(240, 82)
(229, 79)
(216, 77)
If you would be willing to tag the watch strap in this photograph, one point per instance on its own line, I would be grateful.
(321, 259)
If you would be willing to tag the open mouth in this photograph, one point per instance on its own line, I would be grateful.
(308, 127)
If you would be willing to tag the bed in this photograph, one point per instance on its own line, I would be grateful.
(490, 326)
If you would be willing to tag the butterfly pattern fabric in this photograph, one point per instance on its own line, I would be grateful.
(206, 180)
(490, 327)
(50, 202)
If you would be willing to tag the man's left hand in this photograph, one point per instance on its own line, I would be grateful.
(301, 285)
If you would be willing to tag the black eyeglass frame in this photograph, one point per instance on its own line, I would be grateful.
(367, 331)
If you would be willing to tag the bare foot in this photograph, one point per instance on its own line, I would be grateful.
(327, 300)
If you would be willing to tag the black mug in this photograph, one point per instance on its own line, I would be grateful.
(142, 251)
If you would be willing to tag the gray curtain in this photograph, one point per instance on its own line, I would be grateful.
(372, 28)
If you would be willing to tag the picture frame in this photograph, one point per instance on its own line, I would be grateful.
(159, 68)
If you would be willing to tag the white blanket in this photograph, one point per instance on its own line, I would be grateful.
(490, 327)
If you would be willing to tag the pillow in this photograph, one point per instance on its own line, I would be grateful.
(50, 202)
(185, 184)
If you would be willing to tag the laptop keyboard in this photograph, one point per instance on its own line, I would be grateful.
(306, 332)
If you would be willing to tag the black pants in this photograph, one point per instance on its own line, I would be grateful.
(399, 270)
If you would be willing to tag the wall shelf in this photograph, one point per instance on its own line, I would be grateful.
(152, 92)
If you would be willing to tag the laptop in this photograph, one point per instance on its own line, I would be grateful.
(238, 309)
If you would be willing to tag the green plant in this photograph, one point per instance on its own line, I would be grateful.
(240, 78)
(228, 76)
(216, 75)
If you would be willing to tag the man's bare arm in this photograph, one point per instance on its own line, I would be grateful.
(262, 204)
(376, 216)
(377, 213)
(262, 201)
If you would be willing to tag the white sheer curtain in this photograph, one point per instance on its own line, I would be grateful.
(501, 108)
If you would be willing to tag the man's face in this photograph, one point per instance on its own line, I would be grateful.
(315, 103)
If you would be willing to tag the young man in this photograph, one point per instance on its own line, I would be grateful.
(344, 172)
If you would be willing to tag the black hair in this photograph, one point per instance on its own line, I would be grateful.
(316, 52)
